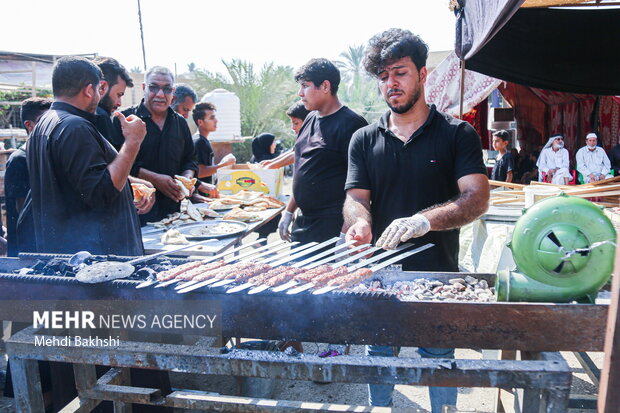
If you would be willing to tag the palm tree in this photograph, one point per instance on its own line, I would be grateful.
(352, 64)
(191, 67)
(135, 69)
(360, 93)
(264, 94)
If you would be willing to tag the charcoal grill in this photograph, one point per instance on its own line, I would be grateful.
(337, 316)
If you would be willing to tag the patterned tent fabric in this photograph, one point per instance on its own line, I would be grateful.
(542, 113)
(443, 87)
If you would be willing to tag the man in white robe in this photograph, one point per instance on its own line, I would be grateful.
(553, 161)
(592, 161)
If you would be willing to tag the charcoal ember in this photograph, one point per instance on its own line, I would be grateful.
(376, 284)
(145, 272)
(459, 286)
(38, 266)
(482, 284)
(158, 267)
(25, 271)
(470, 280)
(290, 351)
(457, 281)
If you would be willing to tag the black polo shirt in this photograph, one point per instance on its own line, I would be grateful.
(204, 154)
(321, 153)
(104, 125)
(169, 152)
(75, 205)
(406, 178)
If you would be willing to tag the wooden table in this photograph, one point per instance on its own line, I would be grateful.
(152, 242)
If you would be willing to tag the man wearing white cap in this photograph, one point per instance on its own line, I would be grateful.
(553, 161)
(592, 161)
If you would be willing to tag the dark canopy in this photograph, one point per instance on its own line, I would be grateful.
(556, 49)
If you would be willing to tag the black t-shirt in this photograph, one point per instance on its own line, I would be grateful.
(16, 185)
(405, 178)
(74, 202)
(204, 154)
(501, 168)
(321, 161)
(168, 152)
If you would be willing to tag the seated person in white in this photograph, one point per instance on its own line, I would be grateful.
(553, 161)
(592, 161)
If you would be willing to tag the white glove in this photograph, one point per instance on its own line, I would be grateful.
(284, 225)
(341, 240)
(403, 229)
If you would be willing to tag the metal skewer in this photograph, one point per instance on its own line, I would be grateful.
(323, 254)
(194, 285)
(293, 283)
(300, 251)
(204, 261)
(287, 253)
(306, 251)
(376, 267)
(362, 254)
(279, 246)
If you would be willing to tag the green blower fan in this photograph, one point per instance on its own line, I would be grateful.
(564, 250)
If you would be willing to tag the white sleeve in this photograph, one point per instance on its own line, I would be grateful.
(581, 163)
(565, 163)
(542, 163)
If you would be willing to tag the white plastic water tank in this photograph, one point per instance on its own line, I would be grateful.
(228, 114)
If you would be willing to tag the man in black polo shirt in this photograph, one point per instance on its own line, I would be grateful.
(167, 149)
(415, 173)
(81, 199)
(320, 156)
(112, 89)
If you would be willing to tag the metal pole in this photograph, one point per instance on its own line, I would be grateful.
(141, 34)
(462, 88)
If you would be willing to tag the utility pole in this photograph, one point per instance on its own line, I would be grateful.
(142, 35)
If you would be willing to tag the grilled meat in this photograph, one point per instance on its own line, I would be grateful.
(310, 274)
(261, 278)
(330, 275)
(190, 275)
(283, 277)
(351, 279)
(176, 271)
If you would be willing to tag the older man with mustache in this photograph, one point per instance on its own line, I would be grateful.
(167, 149)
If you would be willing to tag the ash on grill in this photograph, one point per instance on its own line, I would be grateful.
(460, 289)
(60, 267)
